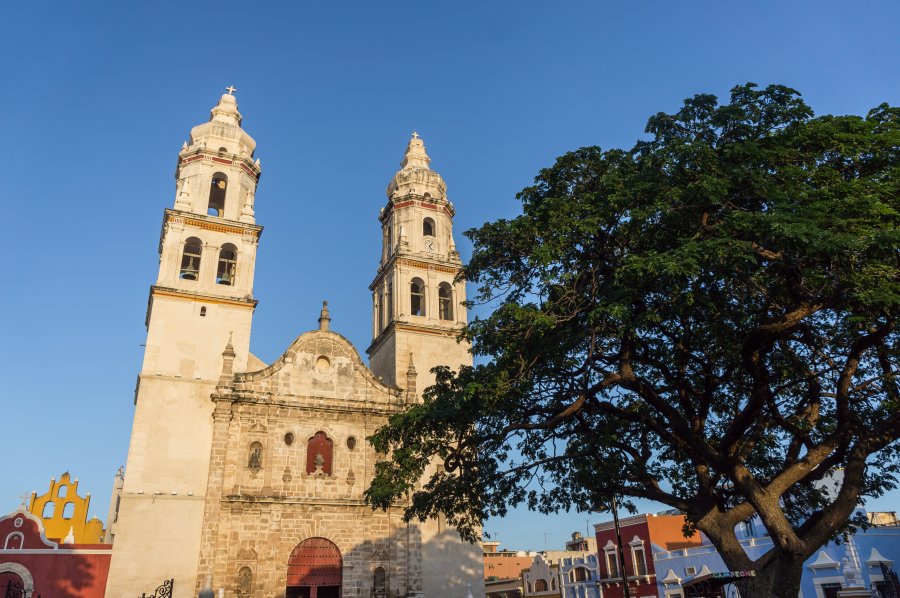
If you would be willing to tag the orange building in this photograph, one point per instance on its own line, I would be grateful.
(504, 564)
(63, 513)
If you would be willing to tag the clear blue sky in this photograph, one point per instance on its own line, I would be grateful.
(97, 97)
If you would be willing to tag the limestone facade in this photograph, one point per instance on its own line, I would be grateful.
(235, 467)
(266, 490)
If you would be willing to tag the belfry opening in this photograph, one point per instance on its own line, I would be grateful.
(315, 570)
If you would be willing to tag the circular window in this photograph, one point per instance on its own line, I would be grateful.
(351, 443)
(18, 522)
(322, 363)
(289, 438)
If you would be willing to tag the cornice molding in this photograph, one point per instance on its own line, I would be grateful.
(158, 291)
(212, 224)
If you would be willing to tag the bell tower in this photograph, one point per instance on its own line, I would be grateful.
(417, 308)
(417, 313)
(202, 300)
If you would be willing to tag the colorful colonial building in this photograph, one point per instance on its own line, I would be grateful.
(63, 512)
(642, 535)
(35, 566)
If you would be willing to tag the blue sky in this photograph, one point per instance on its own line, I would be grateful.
(97, 97)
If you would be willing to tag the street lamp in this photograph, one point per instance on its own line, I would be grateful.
(614, 507)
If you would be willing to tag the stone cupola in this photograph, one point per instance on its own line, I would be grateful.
(415, 176)
(224, 126)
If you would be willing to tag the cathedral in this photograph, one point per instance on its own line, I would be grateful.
(247, 477)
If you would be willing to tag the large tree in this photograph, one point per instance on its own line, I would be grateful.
(708, 320)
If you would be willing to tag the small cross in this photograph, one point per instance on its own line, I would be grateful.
(230, 89)
(415, 135)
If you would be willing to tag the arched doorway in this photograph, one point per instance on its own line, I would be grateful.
(315, 570)
(15, 581)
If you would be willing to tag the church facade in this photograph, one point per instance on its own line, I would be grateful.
(248, 477)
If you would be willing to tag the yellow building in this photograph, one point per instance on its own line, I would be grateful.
(64, 513)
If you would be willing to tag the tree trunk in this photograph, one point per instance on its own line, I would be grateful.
(781, 579)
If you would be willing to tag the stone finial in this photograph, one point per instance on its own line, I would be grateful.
(324, 318)
(226, 111)
(415, 156)
(247, 214)
(415, 175)
(411, 381)
(183, 195)
(228, 356)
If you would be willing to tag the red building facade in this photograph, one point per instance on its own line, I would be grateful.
(31, 566)
(642, 535)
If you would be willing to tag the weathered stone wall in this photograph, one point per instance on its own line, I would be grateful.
(259, 509)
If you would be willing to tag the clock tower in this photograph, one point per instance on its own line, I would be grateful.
(417, 304)
(417, 313)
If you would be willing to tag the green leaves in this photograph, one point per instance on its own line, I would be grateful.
(708, 320)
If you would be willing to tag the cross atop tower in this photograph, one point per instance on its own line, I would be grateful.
(230, 89)
(415, 135)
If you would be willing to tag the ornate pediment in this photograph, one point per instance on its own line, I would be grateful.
(246, 554)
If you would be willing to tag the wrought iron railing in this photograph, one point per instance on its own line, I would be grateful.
(15, 589)
(890, 582)
(163, 591)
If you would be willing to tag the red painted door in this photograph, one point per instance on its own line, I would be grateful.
(315, 570)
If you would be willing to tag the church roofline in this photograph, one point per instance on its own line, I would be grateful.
(23, 511)
(282, 360)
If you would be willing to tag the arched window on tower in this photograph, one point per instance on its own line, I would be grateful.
(190, 259)
(428, 227)
(445, 301)
(318, 454)
(417, 297)
(227, 263)
(217, 195)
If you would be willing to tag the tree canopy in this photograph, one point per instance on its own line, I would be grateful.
(707, 320)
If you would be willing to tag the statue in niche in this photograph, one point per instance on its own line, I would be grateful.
(255, 460)
(319, 454)
(245, 581)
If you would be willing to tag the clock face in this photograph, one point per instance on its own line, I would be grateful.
(429, 244)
